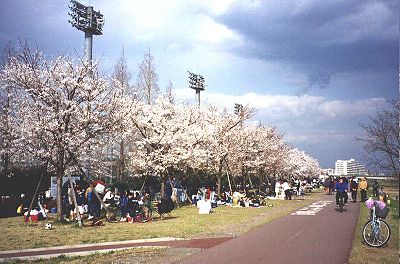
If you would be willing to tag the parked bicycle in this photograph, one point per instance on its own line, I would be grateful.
(376, 231)
(113, 211)
(140, 212)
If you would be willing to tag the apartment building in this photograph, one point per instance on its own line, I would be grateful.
(349, 167)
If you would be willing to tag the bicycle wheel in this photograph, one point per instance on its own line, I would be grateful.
(341, 203)
(113, 214)
(144, 214)
(376, 234)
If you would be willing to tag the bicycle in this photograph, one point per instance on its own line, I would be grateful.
(341, 200)
(113, 211)
(141, 212)
(376, 232)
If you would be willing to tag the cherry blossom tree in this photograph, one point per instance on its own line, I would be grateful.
(223, 128)
(166, 137)
(67, 108)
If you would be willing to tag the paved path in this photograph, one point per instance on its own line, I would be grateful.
(316, 234)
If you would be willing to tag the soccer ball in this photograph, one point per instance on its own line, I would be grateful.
(48, 226)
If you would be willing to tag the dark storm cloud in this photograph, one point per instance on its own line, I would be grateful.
(320, 39)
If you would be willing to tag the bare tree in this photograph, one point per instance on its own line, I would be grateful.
(147, 79)
(382, 140)
(169, 93)
(123, 76)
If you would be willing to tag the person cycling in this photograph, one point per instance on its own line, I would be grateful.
(341, 190)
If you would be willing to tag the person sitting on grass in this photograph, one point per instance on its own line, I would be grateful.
(255, 201)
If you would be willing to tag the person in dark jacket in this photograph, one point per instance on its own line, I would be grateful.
(123, 204)
(353, 189)
(341, 190)
(327, 184)
(346, 197)
(331, 185)
(375, 188)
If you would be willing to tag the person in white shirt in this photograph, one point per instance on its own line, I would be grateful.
(279, 194)
(287, 191)
(107, 199)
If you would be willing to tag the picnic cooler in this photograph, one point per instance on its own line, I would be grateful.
(33, 216)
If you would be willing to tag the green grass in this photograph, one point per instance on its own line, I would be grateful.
(184, 223)
(362, 253)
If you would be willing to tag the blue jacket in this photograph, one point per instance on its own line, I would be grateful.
(341, 187)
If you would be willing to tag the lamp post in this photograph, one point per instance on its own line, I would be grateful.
(86, 19)
(196, 82)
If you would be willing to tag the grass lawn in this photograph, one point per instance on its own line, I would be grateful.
(184, 223)
(389, 253)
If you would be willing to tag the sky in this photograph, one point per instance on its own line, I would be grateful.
(316, 70)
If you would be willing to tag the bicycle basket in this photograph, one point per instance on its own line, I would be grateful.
(381, 213)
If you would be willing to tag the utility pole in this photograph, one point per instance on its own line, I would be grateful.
(196, 82)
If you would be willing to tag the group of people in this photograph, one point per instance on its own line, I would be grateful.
(284, 190)
(129, 202)
(342, 187)
(86, 199)
(93, 196)
(237, 198)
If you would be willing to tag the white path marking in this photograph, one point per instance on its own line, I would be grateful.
(313, 208)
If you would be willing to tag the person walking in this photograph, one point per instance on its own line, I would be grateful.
(375, 188)
(346, 197)
(287, 190)
(353, 189)
(363, 185)
(331, 186)
(327, 184)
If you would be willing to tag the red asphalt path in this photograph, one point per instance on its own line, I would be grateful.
(325, 237)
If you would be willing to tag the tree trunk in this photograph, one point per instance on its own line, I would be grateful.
(59, 197)
(219, 175)
(219, 184)
(121, 167)
(78, 215)
(162, 186)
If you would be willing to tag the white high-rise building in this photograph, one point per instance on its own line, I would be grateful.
(349, 167)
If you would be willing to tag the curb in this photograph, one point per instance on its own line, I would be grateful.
(87, 249)
(79, 250)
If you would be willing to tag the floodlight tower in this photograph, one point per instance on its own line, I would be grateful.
(239, 112)
(238, 109)
(89, 21)
(196, 82)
